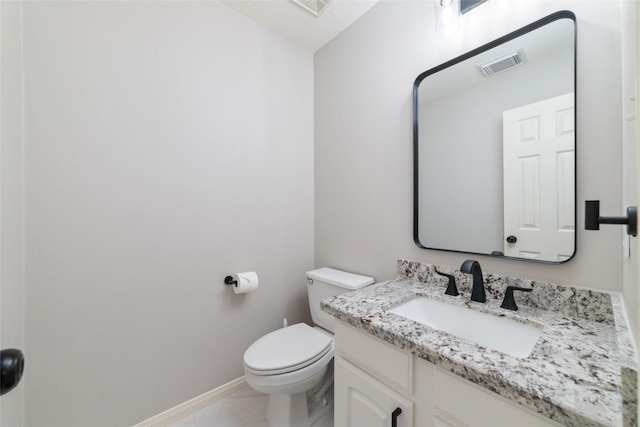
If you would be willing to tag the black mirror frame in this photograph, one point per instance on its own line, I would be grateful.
(564, 14)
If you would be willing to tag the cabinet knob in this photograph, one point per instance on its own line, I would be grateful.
(512, 239)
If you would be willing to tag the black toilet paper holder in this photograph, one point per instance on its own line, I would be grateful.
(592, 218)
(229, 281)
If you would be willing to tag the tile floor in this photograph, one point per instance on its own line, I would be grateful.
(246, 408)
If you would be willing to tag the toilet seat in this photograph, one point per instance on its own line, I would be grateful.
(286, 350)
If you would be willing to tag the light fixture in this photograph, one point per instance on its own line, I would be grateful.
(447, 15)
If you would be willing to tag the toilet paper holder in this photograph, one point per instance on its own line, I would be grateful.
(243, 282)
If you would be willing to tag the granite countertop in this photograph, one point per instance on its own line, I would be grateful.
(581, 372)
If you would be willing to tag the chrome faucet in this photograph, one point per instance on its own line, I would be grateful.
(473, 267)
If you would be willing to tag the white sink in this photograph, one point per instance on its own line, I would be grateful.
(498, 333)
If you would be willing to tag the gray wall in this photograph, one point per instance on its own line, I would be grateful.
(363, 146)
(168, 144)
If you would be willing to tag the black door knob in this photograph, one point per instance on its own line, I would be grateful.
(512, 239)
(11, 369)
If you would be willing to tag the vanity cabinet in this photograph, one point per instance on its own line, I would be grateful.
(374, 378)
(361, 400)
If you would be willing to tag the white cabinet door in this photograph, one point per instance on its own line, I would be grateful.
(360, 400)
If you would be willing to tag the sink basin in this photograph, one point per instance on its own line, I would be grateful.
(498, 333)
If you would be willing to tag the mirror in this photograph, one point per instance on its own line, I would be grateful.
(494, 147)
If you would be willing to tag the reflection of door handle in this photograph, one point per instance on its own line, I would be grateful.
(512, 239)
(11, 368)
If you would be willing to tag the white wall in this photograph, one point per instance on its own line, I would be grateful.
(11, 201)
(168, 144)
(363, 146)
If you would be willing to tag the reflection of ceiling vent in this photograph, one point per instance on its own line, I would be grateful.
(504, 63)
(313, 6)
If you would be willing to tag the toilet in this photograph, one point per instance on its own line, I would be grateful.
(294, 365)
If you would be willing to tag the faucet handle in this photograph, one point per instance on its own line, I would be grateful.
(509, 301)
(451, 287)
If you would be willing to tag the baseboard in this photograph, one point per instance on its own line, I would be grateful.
(187, 408)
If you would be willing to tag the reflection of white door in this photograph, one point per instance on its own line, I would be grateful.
(539, 177)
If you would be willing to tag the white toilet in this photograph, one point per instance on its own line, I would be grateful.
(294, 365)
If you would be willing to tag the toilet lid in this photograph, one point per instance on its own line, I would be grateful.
(287, 349)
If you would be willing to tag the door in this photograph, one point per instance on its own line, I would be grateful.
(630, 37)
(11, 203)
(539, 179)
(361, 400)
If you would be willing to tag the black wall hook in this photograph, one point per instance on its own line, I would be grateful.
(229, 281)
(592, 218)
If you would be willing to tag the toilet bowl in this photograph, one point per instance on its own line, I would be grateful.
(294, 365)
(286, 364)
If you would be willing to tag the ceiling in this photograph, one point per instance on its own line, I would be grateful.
(299, 25)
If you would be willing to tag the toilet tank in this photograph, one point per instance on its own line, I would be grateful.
(326, 282)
